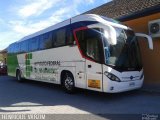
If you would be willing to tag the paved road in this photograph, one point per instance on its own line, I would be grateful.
(36, 97)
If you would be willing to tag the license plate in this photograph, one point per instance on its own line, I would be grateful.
(132, 84)
(94, 84)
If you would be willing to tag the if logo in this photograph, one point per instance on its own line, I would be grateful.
(28, 58)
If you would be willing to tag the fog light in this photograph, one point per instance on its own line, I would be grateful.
(112, 88)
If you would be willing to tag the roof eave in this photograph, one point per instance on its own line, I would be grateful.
(145, 12)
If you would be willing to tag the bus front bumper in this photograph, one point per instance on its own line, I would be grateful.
(116, 87)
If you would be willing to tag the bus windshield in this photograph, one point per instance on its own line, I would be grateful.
(125, 55)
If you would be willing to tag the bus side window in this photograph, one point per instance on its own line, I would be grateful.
(24, 46)
(10, 49)
(70, 37)
(82, 41)
(45, 41)
(48, 42)
(33, 44)
(41, 42)
(16, 48)
(60, 37)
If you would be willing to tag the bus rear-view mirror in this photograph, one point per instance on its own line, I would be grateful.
(150, 41)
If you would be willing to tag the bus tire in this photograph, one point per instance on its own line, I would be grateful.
(18, 76)
(68, 82)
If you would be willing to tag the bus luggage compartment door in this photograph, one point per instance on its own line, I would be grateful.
(94, 75)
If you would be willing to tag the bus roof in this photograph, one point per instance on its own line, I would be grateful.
(84, 17)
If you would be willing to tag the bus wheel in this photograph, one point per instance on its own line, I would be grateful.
(18, 76)
(68, 82)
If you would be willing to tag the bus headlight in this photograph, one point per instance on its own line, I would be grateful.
(112, 77)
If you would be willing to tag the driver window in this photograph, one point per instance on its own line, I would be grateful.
(92, 49)
(90, 43)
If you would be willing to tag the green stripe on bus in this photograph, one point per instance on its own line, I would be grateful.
(12, 63)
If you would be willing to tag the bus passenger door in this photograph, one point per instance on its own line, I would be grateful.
(93, 58)
(90, 45)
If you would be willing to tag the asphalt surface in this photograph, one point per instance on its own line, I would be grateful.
(32, 97)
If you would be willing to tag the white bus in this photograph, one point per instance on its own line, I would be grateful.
(87, 51)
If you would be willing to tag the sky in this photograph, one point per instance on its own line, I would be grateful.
(19, 18)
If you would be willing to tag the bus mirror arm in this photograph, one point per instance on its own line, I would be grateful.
(112, 34)
(150, 41)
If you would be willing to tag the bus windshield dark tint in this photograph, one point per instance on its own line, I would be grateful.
(125, 55)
